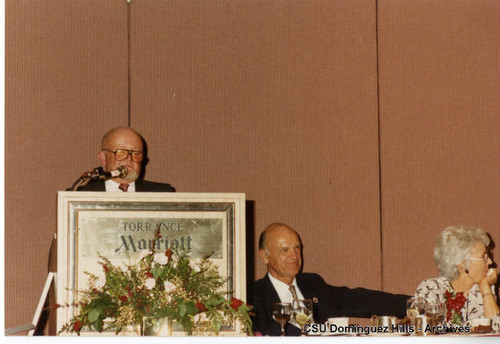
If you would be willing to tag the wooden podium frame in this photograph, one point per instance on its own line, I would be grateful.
(118, 226)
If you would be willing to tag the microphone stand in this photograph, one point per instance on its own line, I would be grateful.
(96, 173)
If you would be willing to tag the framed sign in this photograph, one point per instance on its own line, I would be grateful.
(121, 227)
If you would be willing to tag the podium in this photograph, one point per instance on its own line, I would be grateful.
(121, 227)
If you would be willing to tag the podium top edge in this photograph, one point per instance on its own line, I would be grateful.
(150, 195)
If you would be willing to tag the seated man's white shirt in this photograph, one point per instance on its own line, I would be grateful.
(283, 289)
(112, 186)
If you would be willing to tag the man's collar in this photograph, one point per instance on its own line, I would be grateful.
(277, 282)
(111, 185)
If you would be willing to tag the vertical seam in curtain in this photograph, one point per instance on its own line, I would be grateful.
(128, 63)
(379, 148)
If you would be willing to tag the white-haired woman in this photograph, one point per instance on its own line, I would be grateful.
(466, 284)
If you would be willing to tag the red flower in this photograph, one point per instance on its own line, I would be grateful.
(130, 294)
(106, 269)
(77, 325)
(123, 298)
(127, 287)
(454, 304)
(150, 275)
(168, 253)
(201, 307)
(460, 298)
(235, 303)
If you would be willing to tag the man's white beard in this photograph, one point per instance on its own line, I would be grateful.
(132, 175)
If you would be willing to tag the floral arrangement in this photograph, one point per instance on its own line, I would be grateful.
(454, 305)
(161, 285)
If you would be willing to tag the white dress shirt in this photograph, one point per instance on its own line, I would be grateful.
(283, 289)
(112, 186)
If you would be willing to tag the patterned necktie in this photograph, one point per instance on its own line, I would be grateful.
(123, 187)
(294, 294)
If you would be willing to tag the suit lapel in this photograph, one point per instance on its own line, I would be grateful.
(271, 293)
(304, 286)
(137, 186)
(307, 289)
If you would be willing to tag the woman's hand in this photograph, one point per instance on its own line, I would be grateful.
(490, 305)
(490, 278)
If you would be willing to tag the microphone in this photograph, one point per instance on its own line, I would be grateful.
(98, 173)
(120, 172)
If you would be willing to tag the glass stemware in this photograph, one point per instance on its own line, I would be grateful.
(435, 312)
(302, 313)
(414, 308)
(281, 314)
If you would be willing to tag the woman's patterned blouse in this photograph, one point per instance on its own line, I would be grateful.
(433, 290)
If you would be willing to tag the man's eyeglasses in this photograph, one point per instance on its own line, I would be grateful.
(122, 154)
(484, 259)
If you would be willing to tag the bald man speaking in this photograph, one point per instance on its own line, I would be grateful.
(123, 147)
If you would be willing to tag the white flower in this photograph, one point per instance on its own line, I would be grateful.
(143, 254)
(169, 286)
(195, 265)
(150, 283)
(175, 260)
(168, 298)
(160, 258)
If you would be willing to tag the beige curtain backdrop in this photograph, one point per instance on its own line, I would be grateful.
(439, 128)
(368, 126)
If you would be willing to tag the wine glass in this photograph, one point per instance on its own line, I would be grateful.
(414, 308)
(281, 314)
(435, 312)
(302, 313)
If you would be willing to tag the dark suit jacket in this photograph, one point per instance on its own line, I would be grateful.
(140, 186)
(328, 301)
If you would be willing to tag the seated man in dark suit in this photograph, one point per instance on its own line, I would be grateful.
(280, 248)
(123, 146)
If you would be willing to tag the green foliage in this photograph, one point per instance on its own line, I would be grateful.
(159, 285)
